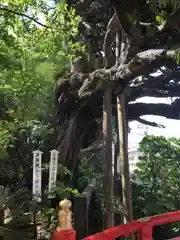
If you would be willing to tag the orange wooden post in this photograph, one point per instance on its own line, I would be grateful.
(64, 231)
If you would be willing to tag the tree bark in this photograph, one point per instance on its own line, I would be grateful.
(108, 176)
(124, 162)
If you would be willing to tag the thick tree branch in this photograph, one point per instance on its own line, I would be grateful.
(151, 92)
(156, 86)
(145, 62)
(142, 63)
(136, 110)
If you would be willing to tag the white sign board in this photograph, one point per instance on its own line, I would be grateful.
(52, 172)
(37, 175)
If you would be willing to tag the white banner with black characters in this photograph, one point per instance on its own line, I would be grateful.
(52, 173)
(37, 175)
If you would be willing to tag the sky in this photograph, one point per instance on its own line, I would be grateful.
(172, 127)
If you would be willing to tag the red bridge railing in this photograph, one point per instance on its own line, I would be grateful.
(143, 227)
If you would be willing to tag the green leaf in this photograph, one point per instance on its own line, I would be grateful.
(159, 19)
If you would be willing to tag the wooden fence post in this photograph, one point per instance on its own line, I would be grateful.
(85, 213)
(81, 216)
(64, 230)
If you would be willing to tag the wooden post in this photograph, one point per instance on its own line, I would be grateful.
(124, 161)
(34, 218)
(81, 216)
(108, 176)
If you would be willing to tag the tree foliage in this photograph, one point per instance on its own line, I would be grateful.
(158, 171)
(157, 178)
(36, 44)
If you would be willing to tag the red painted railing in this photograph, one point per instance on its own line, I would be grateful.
(143, 227)
(64, 235)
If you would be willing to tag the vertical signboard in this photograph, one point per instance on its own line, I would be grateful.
(37, 175)
(52, 172)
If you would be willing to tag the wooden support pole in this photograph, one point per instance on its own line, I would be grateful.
(108, 175)
(124, 161)
(34, 218)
